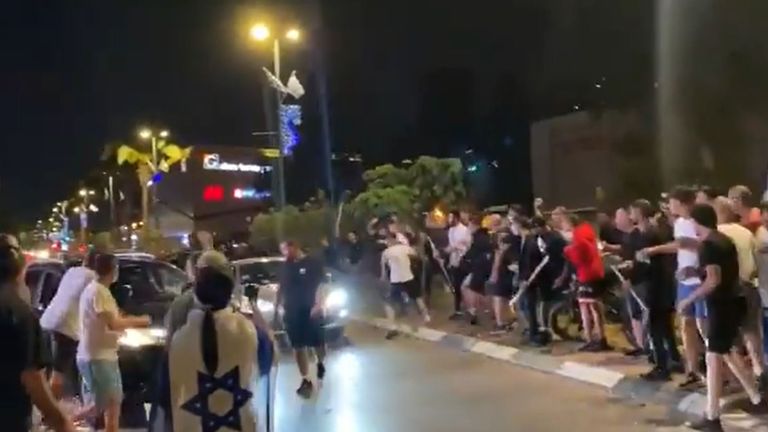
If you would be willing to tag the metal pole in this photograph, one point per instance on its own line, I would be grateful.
(112, 209)
(280, 148)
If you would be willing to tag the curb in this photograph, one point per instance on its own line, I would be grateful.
(616, 383)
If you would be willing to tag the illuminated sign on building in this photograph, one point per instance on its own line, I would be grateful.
(213, 193)
(212, 161)
(248, 193)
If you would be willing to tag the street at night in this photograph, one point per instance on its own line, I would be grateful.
(410, 385)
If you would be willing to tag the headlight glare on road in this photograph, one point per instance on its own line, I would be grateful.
(336, 299)
(265, 306)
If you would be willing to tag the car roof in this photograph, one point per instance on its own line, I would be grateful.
(254, 260)
(135, 255)
(46, 261)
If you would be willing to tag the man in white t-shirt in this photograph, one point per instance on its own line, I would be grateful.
(693, 318)
(62, 320)
(459, 240)
(396, 262)
(101, 324)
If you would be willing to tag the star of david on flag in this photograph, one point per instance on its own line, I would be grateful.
(206, 386)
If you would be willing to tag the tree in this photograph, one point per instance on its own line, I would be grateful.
(412, 189)
(169, 154)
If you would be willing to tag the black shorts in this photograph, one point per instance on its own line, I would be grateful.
(64, 352)
(590, 292)
(724, 320)
(304, 330)
(499, 289)
(410, 288)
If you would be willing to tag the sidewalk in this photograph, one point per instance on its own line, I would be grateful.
(613, 371)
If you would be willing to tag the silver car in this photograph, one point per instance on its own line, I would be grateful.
(258, 278)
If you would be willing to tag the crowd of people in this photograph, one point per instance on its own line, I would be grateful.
(694, 257)
(208, 341)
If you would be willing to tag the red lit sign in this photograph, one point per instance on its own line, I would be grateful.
(213, 193)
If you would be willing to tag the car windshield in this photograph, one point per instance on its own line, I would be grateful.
(260, 271)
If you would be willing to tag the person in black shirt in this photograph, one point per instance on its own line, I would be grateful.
(355, 248)
(654, 278)
(502, 281)
(300, 296)
(726, 308)
(22, 380)
(479, 261)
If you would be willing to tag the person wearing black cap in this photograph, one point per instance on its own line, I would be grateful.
(718, 259)
(22, 382)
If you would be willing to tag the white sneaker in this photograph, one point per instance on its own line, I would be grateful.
(427, 319)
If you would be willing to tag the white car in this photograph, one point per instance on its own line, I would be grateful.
(257, 282)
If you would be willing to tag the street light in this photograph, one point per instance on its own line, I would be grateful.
(260, 32)
(293, 34)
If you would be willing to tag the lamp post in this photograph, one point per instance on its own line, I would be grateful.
(260, 32)
(148, 134)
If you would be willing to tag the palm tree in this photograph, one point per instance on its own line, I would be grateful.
(169, 154)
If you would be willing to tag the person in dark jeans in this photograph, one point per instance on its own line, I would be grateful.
(655, 278)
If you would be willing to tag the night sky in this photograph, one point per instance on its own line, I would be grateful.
(405, 78)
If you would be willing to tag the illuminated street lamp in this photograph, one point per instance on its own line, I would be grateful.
(261, 33)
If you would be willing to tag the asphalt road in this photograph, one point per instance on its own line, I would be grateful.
(407, 385)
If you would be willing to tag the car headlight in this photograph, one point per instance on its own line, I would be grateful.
(265, 306)
(137, 338)
(336, 299)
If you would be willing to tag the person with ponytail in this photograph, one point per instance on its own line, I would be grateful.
(210, 366)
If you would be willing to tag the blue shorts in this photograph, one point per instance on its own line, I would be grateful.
(102, 383)
(696, 310)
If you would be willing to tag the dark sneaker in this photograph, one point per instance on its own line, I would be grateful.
(677, 368)
(603, 346)
(305, 389)
(391, 334)
(656, 375)
(587, 347)
(705, 425)
(456, 316)
(320, 371)
(691, 382)
(757, 409)
(473, 320)
(499, 329)
(636, 352)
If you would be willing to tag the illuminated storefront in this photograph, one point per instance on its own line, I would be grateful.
(221, 190)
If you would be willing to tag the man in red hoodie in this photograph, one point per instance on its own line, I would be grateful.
(584, 255)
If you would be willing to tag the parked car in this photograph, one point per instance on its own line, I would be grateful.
(145, 285)
(257, 279)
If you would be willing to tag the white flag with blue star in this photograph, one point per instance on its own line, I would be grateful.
(220, 400)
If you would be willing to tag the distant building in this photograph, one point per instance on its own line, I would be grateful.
(573, 158)
(220, 191)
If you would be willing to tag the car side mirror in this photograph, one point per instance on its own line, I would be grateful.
(251, 291)
(122, 293)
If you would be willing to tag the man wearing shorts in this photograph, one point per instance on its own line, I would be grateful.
(693, 318)
(61, 320)
(583, 254)
(101, 324)
(752, 325)
(302, 301)
(396, 267)
(719, 260)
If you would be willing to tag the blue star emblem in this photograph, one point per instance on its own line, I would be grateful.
(206, 386)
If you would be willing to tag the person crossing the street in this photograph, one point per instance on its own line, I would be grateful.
(300, 295)
(396, 268)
